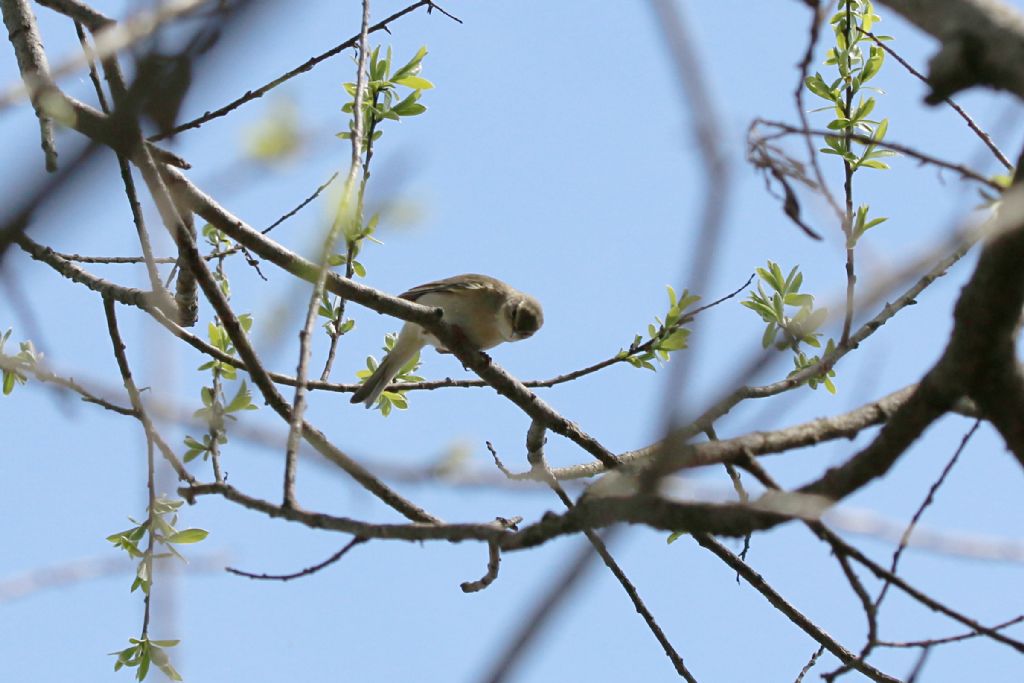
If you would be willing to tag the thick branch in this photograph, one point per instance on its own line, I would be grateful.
(315, 520)
(982, 43)
(35, 72)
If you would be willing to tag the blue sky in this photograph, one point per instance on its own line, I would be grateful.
(556, 154)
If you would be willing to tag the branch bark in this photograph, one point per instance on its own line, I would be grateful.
(982, 43)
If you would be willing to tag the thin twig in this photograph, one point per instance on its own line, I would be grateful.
(79, 258)
(306, 333)
(919, 665)
(335, 328)
(929, 602)
(810, 663)
(535, 453)
(493, 564)
(302, 68)
(848, 170)
(139, 411)
(162, 298)
(823, 533)
(757, 582)
(804, 67)
(923, 157)
(948, 639)
(133, 393)
(66, 383)
(928, 499)
(304, 572)
(302, 205)
(985, 138)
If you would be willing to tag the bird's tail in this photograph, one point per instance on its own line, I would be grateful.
(409, 342)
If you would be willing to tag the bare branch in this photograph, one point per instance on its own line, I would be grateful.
(757, 582)
(949, 639)
(982, 135)
(304, 572)
(493, 563)
(982, 43)
(28, 48)
(302, 68)
(923, 157)
(347, 212)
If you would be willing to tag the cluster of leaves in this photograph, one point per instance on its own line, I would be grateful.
(850, 106)
(16, 367)
(143, 653)
(333, 311)
(662, 339)
(217, 408)
(786, 329)
(802, 362)
(220, 243)
(159, 527)
(381, 100)
(392, 399)
(381, 96)
(159, 522)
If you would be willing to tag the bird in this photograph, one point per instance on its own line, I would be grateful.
(484, 310)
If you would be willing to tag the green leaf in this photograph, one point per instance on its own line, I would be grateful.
(165, 643)
(413, 66)
(880, 130)
(865, 108)
(241, 401)
(414, 82)
(409, 107)
(836, 143)
(188, 536)
(873, 65)
(378, 67)
(675, 341)
(816, 84)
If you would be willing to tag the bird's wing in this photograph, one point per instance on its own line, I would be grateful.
(450, 284)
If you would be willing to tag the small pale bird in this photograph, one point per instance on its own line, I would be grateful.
(486, 311)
